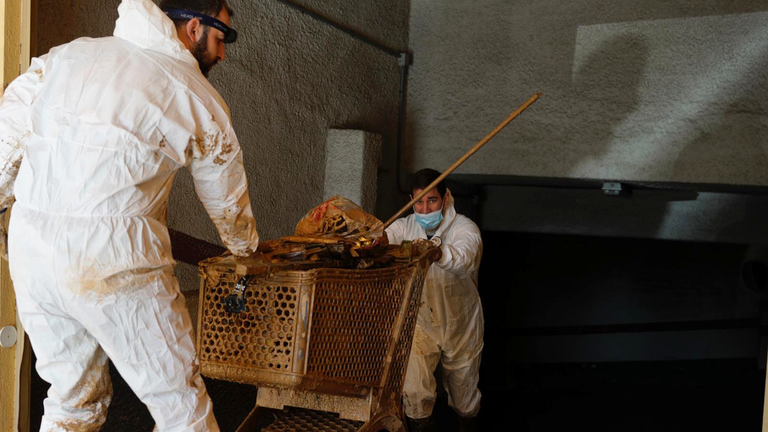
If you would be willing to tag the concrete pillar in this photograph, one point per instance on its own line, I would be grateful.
(351, 163)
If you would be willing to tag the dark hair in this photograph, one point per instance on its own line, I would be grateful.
(206, 7)
(424, 178)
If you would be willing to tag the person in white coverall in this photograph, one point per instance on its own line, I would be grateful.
(449, 328)
(91, 137)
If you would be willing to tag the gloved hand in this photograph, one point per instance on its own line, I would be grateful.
(433, 242)
(423, 245)
(384, 239)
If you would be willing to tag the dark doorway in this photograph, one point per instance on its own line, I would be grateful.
(618, 334)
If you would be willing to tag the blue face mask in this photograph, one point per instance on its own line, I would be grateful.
(430, 221)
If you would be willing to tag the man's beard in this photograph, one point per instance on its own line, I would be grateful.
(200, 51)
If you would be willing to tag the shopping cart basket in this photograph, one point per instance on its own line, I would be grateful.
(330, 343)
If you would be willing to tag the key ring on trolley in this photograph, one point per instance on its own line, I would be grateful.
(235, 302)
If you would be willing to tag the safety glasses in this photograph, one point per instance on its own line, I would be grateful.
(230, 35)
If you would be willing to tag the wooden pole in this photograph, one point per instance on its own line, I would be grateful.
(462, 159)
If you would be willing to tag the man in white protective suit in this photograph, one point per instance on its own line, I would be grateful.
(91, 137)
(449, 328)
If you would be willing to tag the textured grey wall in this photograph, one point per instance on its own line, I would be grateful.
(653, 90)
(287, 80)
(59, 22)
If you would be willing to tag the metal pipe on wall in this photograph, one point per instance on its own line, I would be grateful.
(404, 61)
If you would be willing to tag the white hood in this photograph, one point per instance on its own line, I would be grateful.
(142, 23)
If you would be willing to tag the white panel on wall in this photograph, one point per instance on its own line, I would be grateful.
(351, 163)
(665, 91)
(696, 109)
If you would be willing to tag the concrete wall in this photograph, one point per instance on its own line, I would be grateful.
(288, 79)
(59, 22)
(659, 94)
(652, 90)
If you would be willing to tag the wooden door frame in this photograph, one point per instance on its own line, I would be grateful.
(17, 18)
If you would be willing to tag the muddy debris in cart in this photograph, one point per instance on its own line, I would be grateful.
(340, 233)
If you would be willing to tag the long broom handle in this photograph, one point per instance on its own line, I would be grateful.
(462, 159)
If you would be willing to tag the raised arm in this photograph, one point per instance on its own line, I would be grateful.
(462, 255)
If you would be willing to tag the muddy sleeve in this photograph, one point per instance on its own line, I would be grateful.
(462, 255)
(216, 165)
(15, 127)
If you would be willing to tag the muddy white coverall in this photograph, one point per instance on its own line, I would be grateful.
(93, 135)
(449, 328)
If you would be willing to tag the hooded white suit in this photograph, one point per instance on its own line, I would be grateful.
(449, 329)
(93, 135)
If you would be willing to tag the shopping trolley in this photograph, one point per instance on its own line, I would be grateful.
(328, 347)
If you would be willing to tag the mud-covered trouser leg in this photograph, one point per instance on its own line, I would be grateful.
(148, 335)
(420, 388)
(141, 321)
(460, 377)
(69, 358)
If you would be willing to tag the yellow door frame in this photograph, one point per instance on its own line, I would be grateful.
(16, 50)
